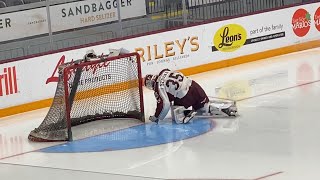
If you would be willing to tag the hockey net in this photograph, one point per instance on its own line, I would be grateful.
(109, 87)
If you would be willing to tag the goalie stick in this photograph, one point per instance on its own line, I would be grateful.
(73, 91)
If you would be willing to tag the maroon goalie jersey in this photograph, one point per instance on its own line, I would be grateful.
(174, 86)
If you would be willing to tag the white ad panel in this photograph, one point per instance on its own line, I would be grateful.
(33, 22)
(262, 32)
(26, 82)
(174, 50)
(23, 24)
(87, 13)
(36, 78)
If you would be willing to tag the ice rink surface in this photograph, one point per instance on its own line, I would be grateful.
(274, 138)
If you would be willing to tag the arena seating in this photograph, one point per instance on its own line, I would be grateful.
(3, 4)
(14, 2)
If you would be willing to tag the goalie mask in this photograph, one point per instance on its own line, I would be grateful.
(150, 81)
(90, 54)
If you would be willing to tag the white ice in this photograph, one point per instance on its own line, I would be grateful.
(275, 137)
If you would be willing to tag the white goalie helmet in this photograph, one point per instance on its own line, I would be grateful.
(90, 54)
(150, 81)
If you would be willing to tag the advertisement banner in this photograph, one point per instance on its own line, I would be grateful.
(66, 16)
(87, 13)
(23, 24)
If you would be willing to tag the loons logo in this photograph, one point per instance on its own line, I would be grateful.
(301, 22)
(317, 19)
(229, 38)
(8, 81)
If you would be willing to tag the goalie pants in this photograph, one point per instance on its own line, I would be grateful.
(196, 97)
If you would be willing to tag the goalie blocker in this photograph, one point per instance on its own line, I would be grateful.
(173, 86)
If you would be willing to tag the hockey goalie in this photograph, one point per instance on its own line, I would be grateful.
(185, 98)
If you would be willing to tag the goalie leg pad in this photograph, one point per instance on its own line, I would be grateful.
(223, 108)
(204, 111)
(189, 114)
(181, 115)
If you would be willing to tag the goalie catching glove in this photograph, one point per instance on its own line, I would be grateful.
(154, 119)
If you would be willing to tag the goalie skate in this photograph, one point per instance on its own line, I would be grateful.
(231, 111)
